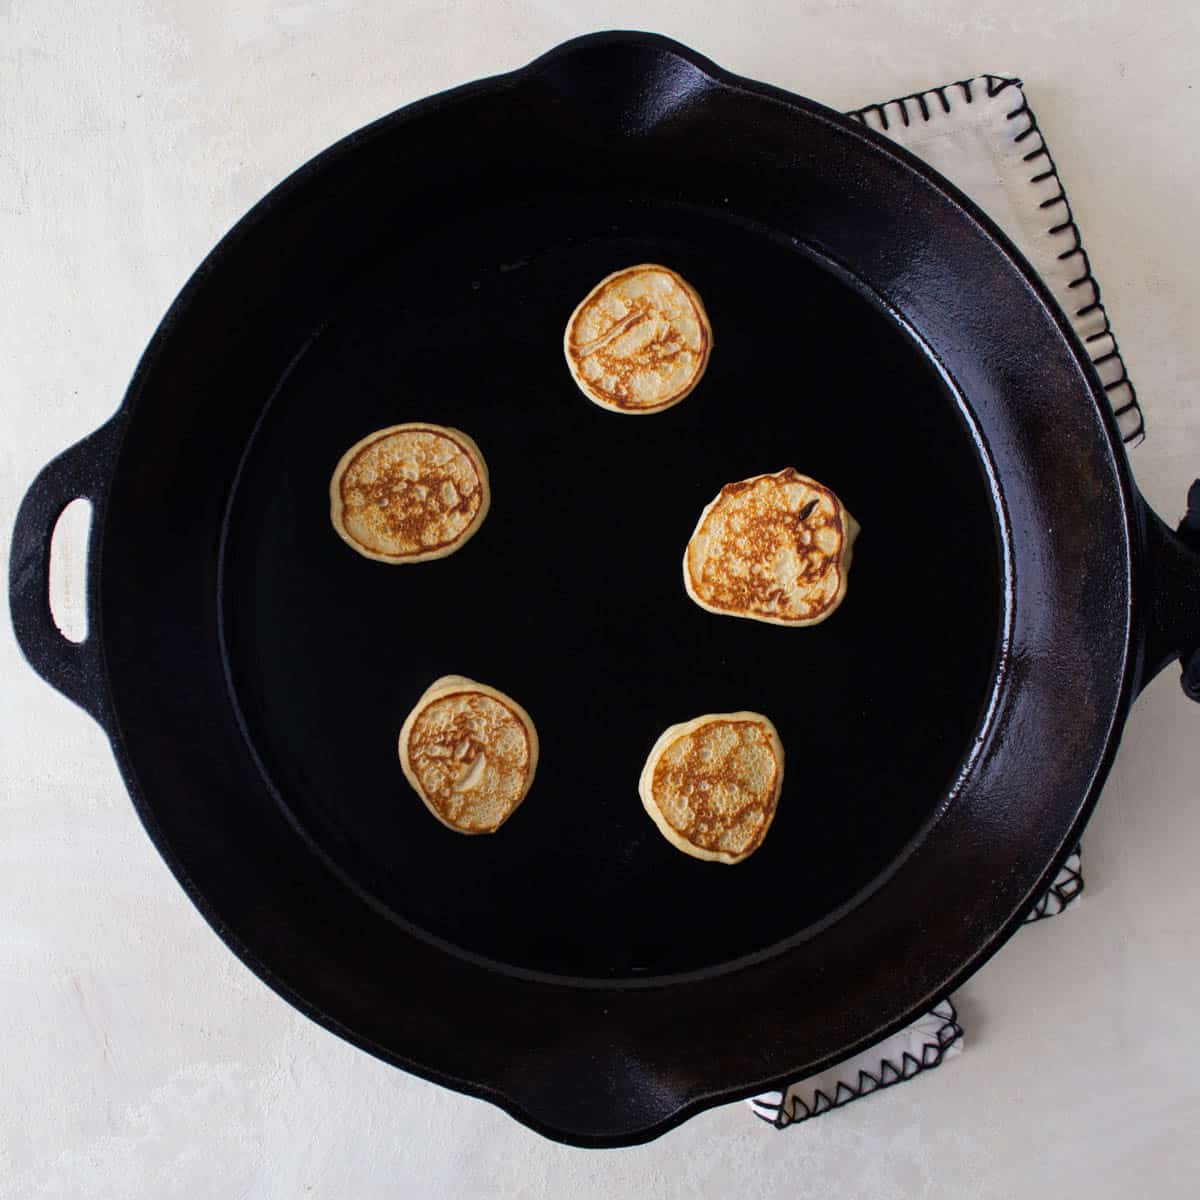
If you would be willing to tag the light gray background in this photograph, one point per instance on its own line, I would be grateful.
(139, 1058)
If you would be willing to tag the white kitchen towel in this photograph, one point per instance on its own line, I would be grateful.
(983, 136)
(926, 1043)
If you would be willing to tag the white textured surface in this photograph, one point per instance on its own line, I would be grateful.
(139, 1058)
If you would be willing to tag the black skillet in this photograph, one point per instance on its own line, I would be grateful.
(947, 731)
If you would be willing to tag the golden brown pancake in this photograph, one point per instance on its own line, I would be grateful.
(409, 493)
(470, 753)
(639, 340)
(712, 784)
(773, 548)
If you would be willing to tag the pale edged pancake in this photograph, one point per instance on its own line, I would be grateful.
(639, 341)
(712, 784)
(774, 548)
(409, 493)
(470, 752)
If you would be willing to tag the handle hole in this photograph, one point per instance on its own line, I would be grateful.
(68, 570)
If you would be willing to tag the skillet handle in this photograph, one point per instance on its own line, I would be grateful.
(1173, 591)
(75, 668)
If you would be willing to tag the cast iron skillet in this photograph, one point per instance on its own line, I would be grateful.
(947, 730)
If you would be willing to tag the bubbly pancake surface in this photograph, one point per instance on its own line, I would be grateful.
(774, 548)
(470, 753)
(712, 784)
(639, 341)
(409, 492)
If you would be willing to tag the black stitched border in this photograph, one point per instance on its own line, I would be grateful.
(922, 104)
(1065, 890)
(791, 1112)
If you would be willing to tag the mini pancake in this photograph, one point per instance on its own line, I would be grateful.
(639, 340)
(712, 784)
(409, 493)
(470, 753)
(772, 548)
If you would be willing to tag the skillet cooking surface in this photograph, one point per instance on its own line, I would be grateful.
(571, 598)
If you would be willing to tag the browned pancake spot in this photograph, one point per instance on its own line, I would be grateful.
(716, 786)
(639, 341)
(471, 755)
(409, 492)
(773, 546)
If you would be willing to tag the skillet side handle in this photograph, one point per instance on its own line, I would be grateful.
(75, 668)
(1173, 591)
